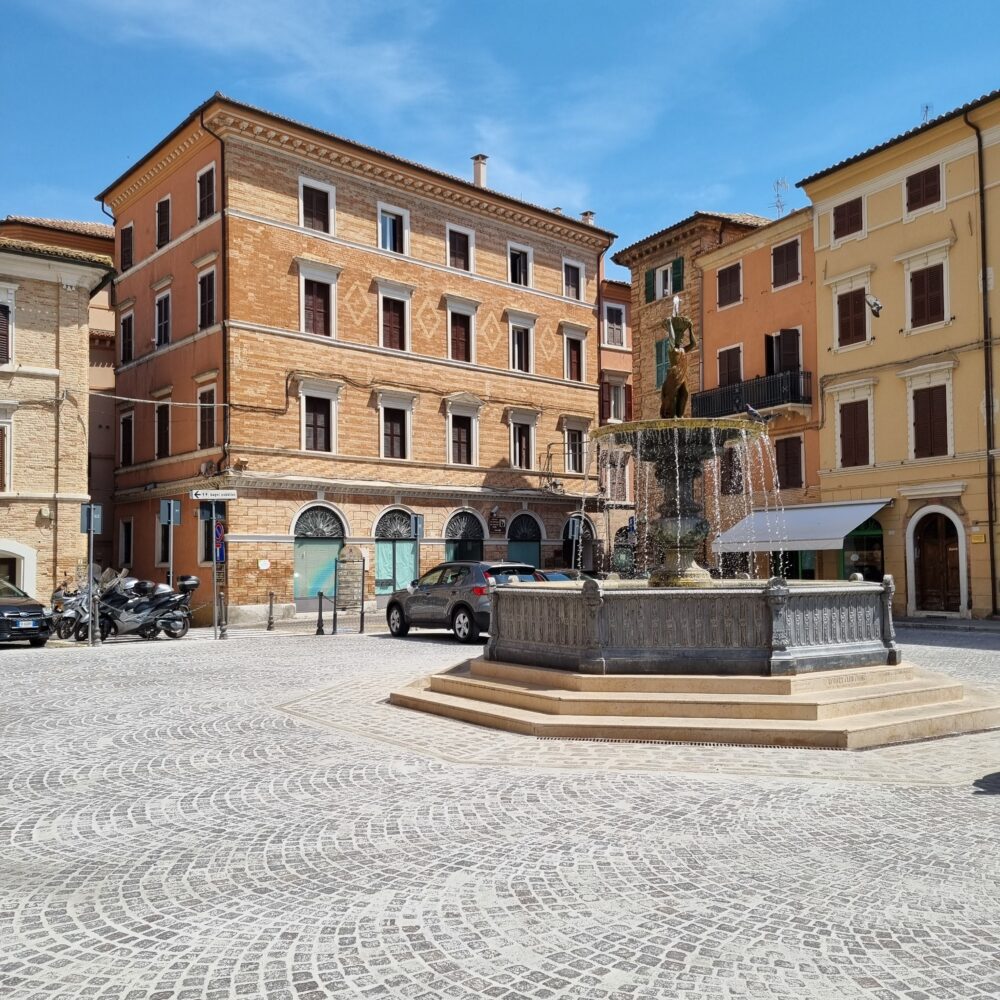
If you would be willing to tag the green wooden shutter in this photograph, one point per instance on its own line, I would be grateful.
(650, 285)
(677, 275)
(662, 361)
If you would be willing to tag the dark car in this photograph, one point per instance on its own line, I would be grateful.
(453, 595)
(558, 575)
(22, 617)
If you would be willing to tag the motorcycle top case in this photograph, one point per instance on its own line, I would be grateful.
(185, 584)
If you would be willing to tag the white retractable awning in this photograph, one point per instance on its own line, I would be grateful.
(794, 529)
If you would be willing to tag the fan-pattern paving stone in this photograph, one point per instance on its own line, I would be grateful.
(251, 819)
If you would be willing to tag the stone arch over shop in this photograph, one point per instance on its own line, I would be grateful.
(464, 535)
(319, 532)
(937, 566)
(397, 551)
(524, 538)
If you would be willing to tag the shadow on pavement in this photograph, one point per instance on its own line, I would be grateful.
(989, 784)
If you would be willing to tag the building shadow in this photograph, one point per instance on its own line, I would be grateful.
(989, 784)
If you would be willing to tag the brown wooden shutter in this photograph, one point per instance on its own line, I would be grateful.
(935, 293)
(729, 366)
(574, 347)
(851, 317)
(126, 251)
(461, 339)
(854, 433)
(4, 335)
(605, 400)
(930, 422)
(162, 222)
(650, 285)
(788, 455)
(317, 307)
(458, 250)
(788, 351)
(3, 460)
(628, 402)
(393, 315)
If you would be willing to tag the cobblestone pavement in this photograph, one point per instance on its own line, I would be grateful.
(250, 819)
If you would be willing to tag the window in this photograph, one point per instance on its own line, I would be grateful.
(317, 205)
(521, 449)
(616, 400)
(125, 543)
(394, 324)
(730, 282)
(574, 449)
(206, 555)
(126, 247)
(927, 296)
(785, 264)
(393, 229)
(206, 193)
(206, 417)
(520, 264)
(574, 361)
(461, 315)
(126, 437)
(788, 460)
(730, 366)
(6, 428)
(930, 421)
(923, 189)
(662, 360)
(394, 433)
(206, 299)
(162, 423)
(572, 279)
(162, 543)
(520, 348)
(852, 318)
(162, 222)
(848, 218)
(781, 352)
(730, 472)
(7, 323)
(461, 439)
(614, 325)
(461, 245)
(163, 320)
(854, 430)
(662, 282)
(318, 414)
(316, 307)
(126, 337)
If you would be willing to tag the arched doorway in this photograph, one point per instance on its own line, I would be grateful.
(396, 556)
(319, 537)
(937, 565)
(578, 543)
(464, 533)
(524, 540)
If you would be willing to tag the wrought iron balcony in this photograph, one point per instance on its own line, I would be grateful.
(762, 393)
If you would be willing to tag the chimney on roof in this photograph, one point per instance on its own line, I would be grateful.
(479, 170)
(587, 217)
(557, 210)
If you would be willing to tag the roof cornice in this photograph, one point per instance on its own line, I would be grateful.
(679, 232)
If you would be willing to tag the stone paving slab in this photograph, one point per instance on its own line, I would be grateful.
(166, 832)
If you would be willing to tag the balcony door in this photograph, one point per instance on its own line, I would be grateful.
(782, 353)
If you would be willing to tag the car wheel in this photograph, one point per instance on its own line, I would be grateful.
(65, 627)
(177, 630)
(464, 626)
(37, 642)
(397, 623)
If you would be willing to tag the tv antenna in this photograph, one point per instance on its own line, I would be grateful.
(780, 186)
(925, 113)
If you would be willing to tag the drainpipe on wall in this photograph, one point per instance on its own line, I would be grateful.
(987, 368)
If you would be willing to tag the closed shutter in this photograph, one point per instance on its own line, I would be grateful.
(206, 419)
(4, 335)
(394, 424)
(317, 424)
(163, 430)
(729, 366)
(574, 349)
(461, 337)
(788, 351)
(461, 440)
(851, 326)
(605, 400)
(628, 402)
(458, 250)
(162, 222)
(317, 307)
(127, 440)
(393, 313)
(788, 454)
(316, 209)
(650, 285)
(854, 433)
(785, 264)
(930, 422)
(927, 295)
(3, 461)
(126, 255)
(847, 218)
(677, 275)
(662, 361)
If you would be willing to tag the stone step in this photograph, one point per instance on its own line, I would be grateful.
(975, 712)
(829, 704)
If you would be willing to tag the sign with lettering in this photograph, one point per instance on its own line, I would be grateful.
(213, 494)
(498, 524)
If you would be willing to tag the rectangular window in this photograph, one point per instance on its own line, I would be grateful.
(923, 189)
(125, 543)
(393, 433)
(126, 250)
(848, 218)
(461, 439)
(391, 231)
(393, 324)
(788, 458)
(316, 307)
(459, 250)
(930, 421)
(206, 194)
(730, 366)
(207, 554)
(126, 338)
(854, 434)
(616, 401)
(315, 208)
(785, 264)
(662, 360)
(572, 281)
(520, 348)
(4, 438)
(730, 473)
(5, 338)
(852, 327)
(927, 296)
(574, 450)
(520, 266)
(162, 222)
(206, 418)
(782, 352)
(206, 300)
(163, 320)
(162, 543)
(521, 445)
(318, 423)
(730, 284)
(162, 430)
(461, 337)
(126, 438)
(574, 359)
(614, 326)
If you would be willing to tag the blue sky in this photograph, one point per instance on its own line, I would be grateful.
(642, 112)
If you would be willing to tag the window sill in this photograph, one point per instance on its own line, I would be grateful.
(838, 242)
(623, 348)
(852, 347)
(938, 206)
(854, 468)
(913, 331)
(786, 284)
(728, 305)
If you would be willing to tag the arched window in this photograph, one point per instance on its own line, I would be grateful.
(394, 524)
(319, 537)
(397, 556)
(464, 533)
(524, 540)
(319, 522)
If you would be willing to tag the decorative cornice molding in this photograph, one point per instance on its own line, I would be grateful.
(158, 167)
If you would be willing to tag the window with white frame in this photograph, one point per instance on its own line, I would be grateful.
(522, 438)
(573, 279)
(163, 222)
(396, 424)
(206, 299)
(574, 353)
(318, 298)
(729, 285)
(616, 397)
(925, 274)
(851, 315)
(522, 337)
(206, 192)
(520, 260)
(615, 324)
(162, 310)
(206, 417)
(462, 444)
(317, 205)
(126, 337)
(461, 315)
(6, 448)
(848, 219)
(394, 314)
(854, 427)
(786, 263)
(393, 229)
(931, 430)
(923, 190)
(318, 405)
(7, 323)
(574, 445)
(461, 248)
(125, 543)
(126, 437)
(126, 253)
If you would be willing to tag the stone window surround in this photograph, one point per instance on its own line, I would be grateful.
(859, 234)
(388, 289)
(215, 297)
(324, 389)
(471, 233)
(521, 415)
(331, 191)
(524, 321)
(384, 208)
(937, 206)
(463, 405)
(524, 248)
(788, 284)
(8, 298)
(925, 377)
(395, 399)
(197, 191)
(572, 331)
(624, 345)
(464, 307)
(170, 320)
(327, 274)
(202, 390)
(841, 284)
(583, 278)
(581, 424)
(855, 392)
(918, 260)
(7, 408)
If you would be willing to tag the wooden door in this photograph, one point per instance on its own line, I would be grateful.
(935, 554)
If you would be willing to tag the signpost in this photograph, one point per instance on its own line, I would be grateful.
(170, 514)
(212, 511)
(91, 523)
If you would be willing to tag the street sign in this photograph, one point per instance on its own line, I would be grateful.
(211, 510)
(88, 512)
(631, 523)
(170, 512)
(498, 524)
(220, 553)
(220, 533)
(417, 525)
(213, 494)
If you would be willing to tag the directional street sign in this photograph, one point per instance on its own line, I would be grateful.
(170, 512)
(89, 512)
(213, 494)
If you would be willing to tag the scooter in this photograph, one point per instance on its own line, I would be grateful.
(144, 608)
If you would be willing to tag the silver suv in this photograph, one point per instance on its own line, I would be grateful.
(453, 595)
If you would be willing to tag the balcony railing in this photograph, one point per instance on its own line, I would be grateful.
(761, 393)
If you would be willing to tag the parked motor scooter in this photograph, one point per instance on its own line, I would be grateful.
(144, 608)
(75, 619)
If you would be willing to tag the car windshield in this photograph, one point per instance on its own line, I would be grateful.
(503, 574)
(8, 589)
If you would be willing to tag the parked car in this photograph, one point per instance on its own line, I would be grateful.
(22, 617)
(559, 574)
(453, 595)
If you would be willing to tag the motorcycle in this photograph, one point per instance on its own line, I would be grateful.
(144, 608)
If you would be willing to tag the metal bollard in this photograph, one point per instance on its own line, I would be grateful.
(222, 616)
(270, 611)
(333, 624)
(319, 617)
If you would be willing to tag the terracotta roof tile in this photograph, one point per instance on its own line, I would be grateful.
(54, 253)
(739, 218)
(66, 225)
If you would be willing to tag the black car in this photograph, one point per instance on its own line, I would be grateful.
(22, 617)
